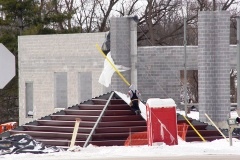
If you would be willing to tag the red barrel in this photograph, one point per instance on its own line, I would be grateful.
(161, 121)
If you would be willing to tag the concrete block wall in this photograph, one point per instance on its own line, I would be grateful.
(158, 66)
(40, 56)
(214, 66)
(120, 50)
(159, 70)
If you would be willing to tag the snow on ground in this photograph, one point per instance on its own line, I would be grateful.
(217, 147)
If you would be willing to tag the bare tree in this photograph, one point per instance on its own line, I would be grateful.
(216, 4)
(106, 10)
(70, 9)
(58, 14)
(149, 20)
(160, 23)
(94, 15)
(192, 84)
(128, 7)
(85, 15)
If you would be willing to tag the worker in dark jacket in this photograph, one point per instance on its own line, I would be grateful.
(135, 96)
(238, 119)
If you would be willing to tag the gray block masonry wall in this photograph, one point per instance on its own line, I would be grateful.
(214, 66)
(41, 57)
(159, 70)
(120, 50)
(158, 67)
(84, 80)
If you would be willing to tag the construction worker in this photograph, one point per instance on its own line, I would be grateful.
(135, 96)
(238, 120)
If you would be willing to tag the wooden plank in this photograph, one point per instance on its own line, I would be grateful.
(215, 126)
(75, 131)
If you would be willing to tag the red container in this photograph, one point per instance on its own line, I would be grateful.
(161, 121)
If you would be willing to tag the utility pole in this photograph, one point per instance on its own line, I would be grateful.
(185, 66)
(238, 62)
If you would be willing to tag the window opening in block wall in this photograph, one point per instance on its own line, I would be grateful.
(60, 90)
(29, 99)
(192, 86)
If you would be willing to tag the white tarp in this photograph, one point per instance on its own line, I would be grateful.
(108, 70)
